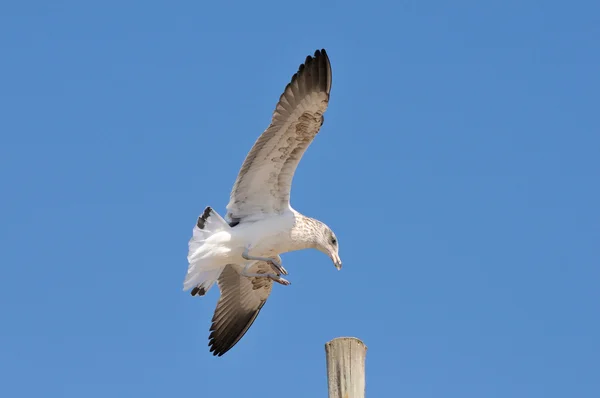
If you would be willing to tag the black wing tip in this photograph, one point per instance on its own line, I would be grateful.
(219, 346)
(321, 52)
(219, 351)
(198, 291)
(315, 57)
(322, 68)
(202, 219)
(224, 340)
(322, 56)
(318, 57)
(220, 343)
(318, 61)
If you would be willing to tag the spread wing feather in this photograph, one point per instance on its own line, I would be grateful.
(241, 300)
(264, 181)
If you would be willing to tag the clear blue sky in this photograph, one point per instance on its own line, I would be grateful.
(458, 165)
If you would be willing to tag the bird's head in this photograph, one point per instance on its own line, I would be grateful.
(328, 244)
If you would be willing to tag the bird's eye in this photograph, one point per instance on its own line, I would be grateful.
(333, 241)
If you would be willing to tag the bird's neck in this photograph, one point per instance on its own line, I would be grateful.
(305, 232)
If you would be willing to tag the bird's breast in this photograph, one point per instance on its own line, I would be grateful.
(266, 237)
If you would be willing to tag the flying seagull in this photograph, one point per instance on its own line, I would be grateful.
(242, 253)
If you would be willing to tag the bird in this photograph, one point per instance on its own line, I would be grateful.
(241, 252)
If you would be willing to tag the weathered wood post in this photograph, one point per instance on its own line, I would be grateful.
(346, 367)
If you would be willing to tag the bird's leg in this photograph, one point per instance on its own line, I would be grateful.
(273, 277)
(275, 264)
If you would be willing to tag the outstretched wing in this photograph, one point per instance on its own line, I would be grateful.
(240, 303)
(264, 181)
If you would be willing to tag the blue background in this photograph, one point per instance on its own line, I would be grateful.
(458, 165)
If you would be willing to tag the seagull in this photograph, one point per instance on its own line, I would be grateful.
(241, 253)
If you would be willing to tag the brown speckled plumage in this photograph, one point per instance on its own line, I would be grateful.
(265, 178)
(261, 189)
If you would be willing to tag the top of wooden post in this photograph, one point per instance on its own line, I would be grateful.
(346, 367)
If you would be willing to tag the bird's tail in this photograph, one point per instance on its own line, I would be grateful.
(204, 268)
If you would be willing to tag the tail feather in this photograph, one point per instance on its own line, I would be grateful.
(203, 271)
(202, 280)
(211, 221)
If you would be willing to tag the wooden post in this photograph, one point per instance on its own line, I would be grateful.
(346, 367)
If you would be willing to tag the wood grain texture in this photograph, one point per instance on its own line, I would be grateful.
(346, 367)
